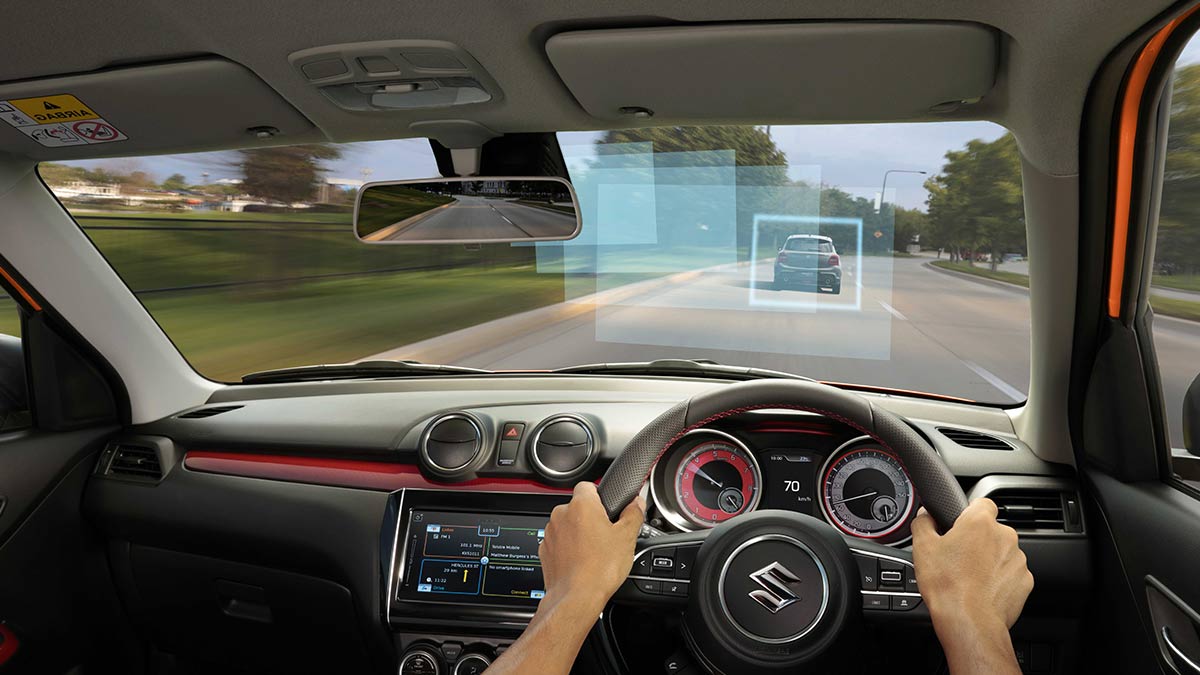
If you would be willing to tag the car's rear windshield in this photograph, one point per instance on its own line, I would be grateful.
(809, 245)
(248, 261)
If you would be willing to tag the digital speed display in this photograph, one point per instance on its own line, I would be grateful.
(465, 557)
(791, 478)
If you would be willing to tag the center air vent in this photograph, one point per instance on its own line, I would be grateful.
(561, 447)
(974, 439)
(451, 443)
(1033, 510)
(135, 461)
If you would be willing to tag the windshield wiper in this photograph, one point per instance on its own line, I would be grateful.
(360, 370)
(681, 368)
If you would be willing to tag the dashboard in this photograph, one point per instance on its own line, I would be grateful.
(400, 520)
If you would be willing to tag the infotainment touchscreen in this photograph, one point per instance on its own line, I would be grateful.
(473, 558)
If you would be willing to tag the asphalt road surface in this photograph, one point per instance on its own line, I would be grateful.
(912, 327)
(480, 218)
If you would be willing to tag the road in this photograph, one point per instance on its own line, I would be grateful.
(914, 328)
(480, 218)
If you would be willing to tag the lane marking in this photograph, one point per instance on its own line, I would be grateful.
(1005, 388)
(893, 311)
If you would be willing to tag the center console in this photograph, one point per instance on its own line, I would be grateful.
(462, 575)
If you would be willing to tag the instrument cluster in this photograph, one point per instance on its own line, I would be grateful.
(710, 476)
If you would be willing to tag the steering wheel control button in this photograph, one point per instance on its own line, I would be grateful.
(679, 663)
(651, 586)
(676, 588)
(561, 447)
(663, 562)
(903, 603)
(868, 572)
(420, 661)
(773, 589)
(472, 664)
(641, 564)
(910, 580)
(891, 578)
(875, 601)
(685, 559)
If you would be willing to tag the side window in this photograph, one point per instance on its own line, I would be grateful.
(1175, 278)
(14, 402)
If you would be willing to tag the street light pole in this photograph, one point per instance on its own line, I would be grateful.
(883, 190)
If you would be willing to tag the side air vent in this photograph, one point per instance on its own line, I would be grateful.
(135, 461)
(1035, 510)
(974, 439)
(201, 413)
(451, 443)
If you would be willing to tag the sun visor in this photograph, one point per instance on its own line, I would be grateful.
(198, 104)
(801, 72)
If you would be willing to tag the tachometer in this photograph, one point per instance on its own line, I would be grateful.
(866, 492)
(716, 480)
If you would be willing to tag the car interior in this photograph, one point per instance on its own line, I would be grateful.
(572, 222)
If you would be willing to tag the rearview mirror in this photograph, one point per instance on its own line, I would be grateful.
(457, 210)
(1191, 418)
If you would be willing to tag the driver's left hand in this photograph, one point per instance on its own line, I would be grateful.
(584, 555)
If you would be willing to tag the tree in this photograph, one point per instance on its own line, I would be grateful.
(285, 174)
(176, 182)
(976, 202)
(59, 174)
(1179, 217)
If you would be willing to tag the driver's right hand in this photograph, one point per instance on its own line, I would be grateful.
(975, 581)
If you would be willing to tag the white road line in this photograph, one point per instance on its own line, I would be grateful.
(893, 311)
(1004, 387)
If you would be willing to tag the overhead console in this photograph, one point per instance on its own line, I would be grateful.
(396, 75)
(818, 72)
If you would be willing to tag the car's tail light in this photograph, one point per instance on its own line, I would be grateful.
(781, 258)
(834, 260)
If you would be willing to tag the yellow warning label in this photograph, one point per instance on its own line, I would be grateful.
(54, 109)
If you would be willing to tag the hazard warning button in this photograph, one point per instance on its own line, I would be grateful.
(512, 431)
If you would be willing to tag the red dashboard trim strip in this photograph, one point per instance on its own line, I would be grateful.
(353, 473)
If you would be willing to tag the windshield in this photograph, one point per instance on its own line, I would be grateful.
(688, 250)
(809, 245)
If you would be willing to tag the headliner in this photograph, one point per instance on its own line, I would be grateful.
(1048, 57)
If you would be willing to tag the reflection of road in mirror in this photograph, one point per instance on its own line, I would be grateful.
(472, 210)
(480, 218)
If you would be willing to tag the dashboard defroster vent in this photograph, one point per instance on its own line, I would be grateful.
(201, 413)
(1034, 510)
(974, 439)
(135, 461)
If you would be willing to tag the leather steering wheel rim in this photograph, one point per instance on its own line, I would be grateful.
(939, 490)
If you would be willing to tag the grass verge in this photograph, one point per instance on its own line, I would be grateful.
(1182, 282)
(382, 206)
(1180, 309)
(984, 272)
(229, 333)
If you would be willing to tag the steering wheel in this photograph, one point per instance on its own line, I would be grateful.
(774, 590)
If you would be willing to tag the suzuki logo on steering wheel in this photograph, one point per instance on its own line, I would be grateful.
(775, 593)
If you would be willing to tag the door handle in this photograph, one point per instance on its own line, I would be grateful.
(1177, 655)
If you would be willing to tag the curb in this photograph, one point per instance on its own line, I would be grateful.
(981, 280)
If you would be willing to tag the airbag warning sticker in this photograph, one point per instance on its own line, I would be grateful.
(58, 121)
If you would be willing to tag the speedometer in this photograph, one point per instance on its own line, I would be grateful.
(866, 492)
(716, 480)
